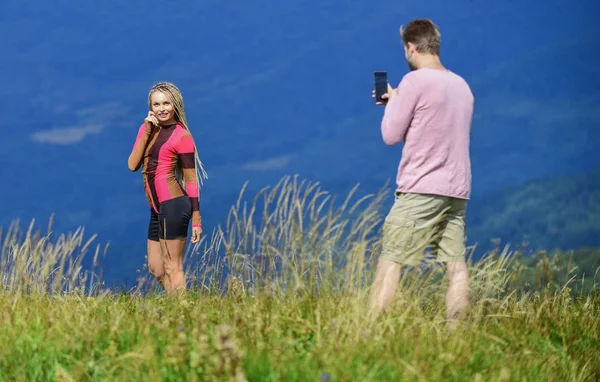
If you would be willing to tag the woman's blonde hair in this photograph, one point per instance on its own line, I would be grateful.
(174, 95)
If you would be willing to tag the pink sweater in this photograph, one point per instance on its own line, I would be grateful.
(432, 114)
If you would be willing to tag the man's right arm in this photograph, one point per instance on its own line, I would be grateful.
(399, 113)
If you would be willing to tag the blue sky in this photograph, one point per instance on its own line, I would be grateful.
(275, 88)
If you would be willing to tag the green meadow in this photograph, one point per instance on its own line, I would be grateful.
(279, 293)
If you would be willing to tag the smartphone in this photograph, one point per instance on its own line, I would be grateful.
(381, 86)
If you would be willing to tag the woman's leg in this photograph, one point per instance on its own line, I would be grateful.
(174, 220)
(155, 261)
(172, 256)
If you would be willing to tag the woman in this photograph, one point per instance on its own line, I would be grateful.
(165, 150)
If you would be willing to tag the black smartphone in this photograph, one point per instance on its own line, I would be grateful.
(381, 86)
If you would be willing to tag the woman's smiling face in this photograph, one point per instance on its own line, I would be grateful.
(162, 107)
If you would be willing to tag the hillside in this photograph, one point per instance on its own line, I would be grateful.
(554, 213)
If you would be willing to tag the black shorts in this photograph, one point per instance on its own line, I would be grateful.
(172, 220)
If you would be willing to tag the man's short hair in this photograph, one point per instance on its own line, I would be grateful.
(424, 34)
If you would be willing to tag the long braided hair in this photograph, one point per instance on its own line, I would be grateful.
(174, 95)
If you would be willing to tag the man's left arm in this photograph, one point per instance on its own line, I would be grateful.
(399, 112)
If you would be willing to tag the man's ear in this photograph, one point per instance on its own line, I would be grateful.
(410, 49)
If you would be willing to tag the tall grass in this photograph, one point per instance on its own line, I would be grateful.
(279, 293)
(32, 263)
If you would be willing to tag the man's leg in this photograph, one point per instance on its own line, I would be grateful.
(385, 286)
(457, 297)
(452, 251)
(407, 231)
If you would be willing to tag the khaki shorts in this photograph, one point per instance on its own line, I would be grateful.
(417, 222)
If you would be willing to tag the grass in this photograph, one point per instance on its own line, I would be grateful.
(279, 294)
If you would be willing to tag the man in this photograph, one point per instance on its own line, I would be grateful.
(431, 111)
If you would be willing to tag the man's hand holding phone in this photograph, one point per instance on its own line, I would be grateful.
(383, 92)
(391, 93)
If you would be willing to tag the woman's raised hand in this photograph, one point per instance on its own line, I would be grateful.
(151, 120)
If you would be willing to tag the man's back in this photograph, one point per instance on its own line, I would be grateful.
(432, 113)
